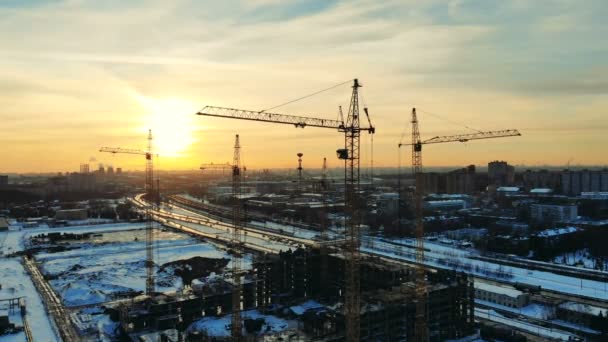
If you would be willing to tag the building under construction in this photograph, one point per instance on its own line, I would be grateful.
(277, 282)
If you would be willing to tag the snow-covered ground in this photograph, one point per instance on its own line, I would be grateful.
(537, 311)
(94, 322)
(96, 273)
(452, 257)
(580, 258)
(525, 326)
(16, 283)
(13, 240)
(220, 326)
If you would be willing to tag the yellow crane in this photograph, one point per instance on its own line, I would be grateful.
(153, 199)
(350, 154)
(421, 326)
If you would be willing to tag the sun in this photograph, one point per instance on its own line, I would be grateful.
(173, 123)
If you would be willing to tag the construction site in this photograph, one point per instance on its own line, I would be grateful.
(248, 255)
(321, 288)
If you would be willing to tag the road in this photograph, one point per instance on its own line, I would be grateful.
(382, 249)
(53, 305)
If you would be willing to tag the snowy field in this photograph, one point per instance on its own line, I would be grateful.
(16, 283)
(451, 257)
(220, 326)
(97, 273)
(14, 240)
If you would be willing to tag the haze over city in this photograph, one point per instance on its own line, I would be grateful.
(272, 170)
(77, 75)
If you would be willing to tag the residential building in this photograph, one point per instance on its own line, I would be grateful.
(553, 213)
(501, 295)
(500, 173)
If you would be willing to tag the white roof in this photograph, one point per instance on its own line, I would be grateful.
(541, 191)
(557, 231)
(508, 189)
(507, 291)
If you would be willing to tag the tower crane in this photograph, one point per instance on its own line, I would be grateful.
(153, 198)
(213, 166)
(323, 248)
(350, 154)
(421, 327)
(236, 243)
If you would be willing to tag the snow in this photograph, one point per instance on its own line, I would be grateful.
(277, 227)
(507, 189)
(537, 311)
(557, 231)
(310, 304)
(525, 326)
(449, 257)
(15, 283)
(575, 327)
(96, 273)
(13, 240)
(584, 308)
(219, 326)
(510, 292)
(580, 257)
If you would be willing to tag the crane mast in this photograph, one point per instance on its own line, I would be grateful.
(149, 221)
(421, 321)
(421, 291)
(352, 135)
(152, 197)
(236, 243)
(323, 248)
(350, 154)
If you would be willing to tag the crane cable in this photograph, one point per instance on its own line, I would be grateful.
(450, 121)
(371, 175)
(306, 96)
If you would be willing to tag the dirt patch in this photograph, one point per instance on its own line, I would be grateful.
(195, 267)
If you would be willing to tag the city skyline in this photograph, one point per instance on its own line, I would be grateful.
(78, 75)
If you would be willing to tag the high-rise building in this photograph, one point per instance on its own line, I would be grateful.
(553, 213)
(3, 180)
(566, 185)
(500, 173)
(461, 181)
(84, 168)
(604, 180)
(576, 182)
(542, 179)
(119, 170)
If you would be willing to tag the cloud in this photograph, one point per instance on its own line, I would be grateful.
(73, 66)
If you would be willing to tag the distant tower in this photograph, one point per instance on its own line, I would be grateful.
(300, 171)
(119, 170)
(84, 168)
(110, 170)
(101, 170)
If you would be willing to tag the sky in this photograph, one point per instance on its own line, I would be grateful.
(77, 75)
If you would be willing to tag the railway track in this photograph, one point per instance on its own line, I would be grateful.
(547, 293)
(54, 307)
(26, 328)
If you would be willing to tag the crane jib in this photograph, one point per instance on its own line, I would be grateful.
(297, 121)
